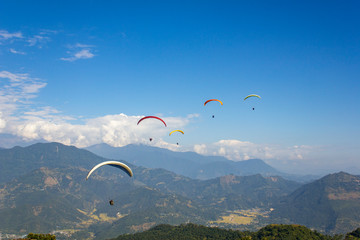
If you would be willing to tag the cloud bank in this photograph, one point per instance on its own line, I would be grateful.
(20, 116)
(243, 150)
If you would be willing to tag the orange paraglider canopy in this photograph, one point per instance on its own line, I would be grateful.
(213, 100)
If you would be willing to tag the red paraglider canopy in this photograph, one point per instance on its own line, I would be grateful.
(152, 117)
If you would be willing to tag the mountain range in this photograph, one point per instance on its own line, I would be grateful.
(43, 189)
(190, 164)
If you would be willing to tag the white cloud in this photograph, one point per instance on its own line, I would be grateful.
(41, 39)
(12, 76)
(84, 54)
(38, 40)
(16, 90)
(115, 130)
(80, 45)
(79, 51)
(16, 52)
(48, 32)
(200, 149)
(5, 35)
(2, 122)
(243, 150)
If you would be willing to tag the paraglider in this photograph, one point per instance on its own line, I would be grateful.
(252, 95)
(116, 164)
(176, 131)
(151, 117)
(210, 100)
(154, 118)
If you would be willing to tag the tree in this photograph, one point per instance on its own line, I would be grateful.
(41, 236)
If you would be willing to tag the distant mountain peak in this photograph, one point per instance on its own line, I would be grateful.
(202, 167)
(339, 177)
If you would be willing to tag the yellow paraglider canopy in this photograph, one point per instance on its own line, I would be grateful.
(176, 131)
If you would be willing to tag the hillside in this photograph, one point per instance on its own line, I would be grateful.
(18, 161)
(56, 199)
(48, 199)
(145, 208)
(331, 204)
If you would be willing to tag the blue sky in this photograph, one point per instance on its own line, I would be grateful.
(84, 72)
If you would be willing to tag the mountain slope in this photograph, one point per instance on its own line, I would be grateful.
(56, 199)
(146, 207)
(228, 192)
(35, 203)
(18, 161)
(331, 204)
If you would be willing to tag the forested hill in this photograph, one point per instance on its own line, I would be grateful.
(198, 232)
